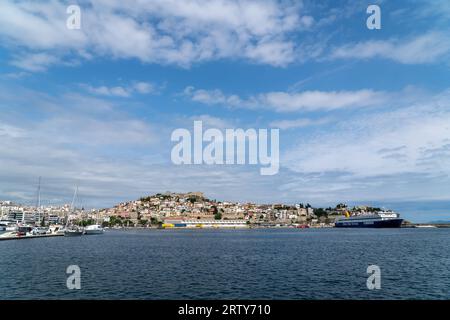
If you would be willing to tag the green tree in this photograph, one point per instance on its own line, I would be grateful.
(115, 220)
(192, 200)
(319, 212)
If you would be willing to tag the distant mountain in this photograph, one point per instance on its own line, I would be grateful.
(440, 222)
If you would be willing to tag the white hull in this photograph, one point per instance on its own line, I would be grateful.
(93, 229)
(88, 232)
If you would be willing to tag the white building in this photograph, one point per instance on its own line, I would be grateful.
(200, 223)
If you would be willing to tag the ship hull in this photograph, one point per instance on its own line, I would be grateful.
(391, 223)
(73, 233)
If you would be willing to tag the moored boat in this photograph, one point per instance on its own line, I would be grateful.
(8, 226)
(73, 232)
(93, 229)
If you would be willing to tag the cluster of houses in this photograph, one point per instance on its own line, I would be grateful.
(189, 208)
(194, 206)
(36, 215)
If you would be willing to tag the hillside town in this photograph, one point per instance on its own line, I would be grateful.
(171, 208)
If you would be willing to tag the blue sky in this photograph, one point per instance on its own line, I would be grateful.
(364, 115)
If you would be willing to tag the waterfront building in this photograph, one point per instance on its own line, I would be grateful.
(53, 219)
(202, 223)
(17, 216)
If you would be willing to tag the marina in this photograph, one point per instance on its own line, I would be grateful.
(15, 237)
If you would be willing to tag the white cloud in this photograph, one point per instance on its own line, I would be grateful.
(290, 102)
(321, 100)
(183, 32)
(178, 32)
(426, 48)
(408, 140)
(34, 62)
(109, 91)
(212, 122)
(11, 131)
(69, 138)
(402, 153)
(213, 97)
(38, 26)
(122, 91)
(276, 53)
(144, 87)
(299, 123)
(112, 155)
(15, 75)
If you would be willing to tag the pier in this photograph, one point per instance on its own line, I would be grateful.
(15, 237)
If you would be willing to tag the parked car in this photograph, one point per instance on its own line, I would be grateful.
(39, 231)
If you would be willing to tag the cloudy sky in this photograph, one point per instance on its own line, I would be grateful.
(364, 115)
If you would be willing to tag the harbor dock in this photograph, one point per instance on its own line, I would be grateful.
(15, 237)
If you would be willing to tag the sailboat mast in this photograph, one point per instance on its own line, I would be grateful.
(38, 204)
(72, 205)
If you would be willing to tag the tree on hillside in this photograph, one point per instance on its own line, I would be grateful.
(320, 212)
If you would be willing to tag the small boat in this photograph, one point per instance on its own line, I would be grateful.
(424, 226)
(56, 229)
(39, 231)
(73, 232)
(60, 231)
(93, 229)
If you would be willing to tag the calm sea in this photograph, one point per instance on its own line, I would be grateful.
(231, 264)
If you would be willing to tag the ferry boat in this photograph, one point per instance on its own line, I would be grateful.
(380, 219)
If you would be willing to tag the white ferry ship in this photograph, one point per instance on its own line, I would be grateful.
(380, 219)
